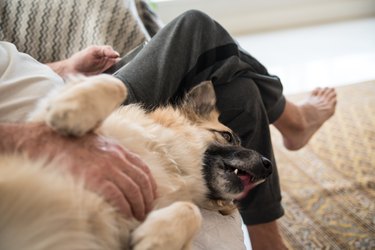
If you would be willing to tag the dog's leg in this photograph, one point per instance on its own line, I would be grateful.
(82, 104)
(170, 228)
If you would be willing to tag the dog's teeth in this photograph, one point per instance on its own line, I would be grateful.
(236, 171)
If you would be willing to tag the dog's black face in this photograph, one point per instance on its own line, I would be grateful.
(231, 171)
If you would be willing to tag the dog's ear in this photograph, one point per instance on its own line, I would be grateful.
(201, 99)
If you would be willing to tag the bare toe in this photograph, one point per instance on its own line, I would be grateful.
(316, 91)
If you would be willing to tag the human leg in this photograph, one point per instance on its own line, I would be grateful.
(297, 124)
(194, 48)
(191, 49)
(260, 236)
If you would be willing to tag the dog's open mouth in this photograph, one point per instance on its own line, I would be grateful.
(232, 171)
(248, 180)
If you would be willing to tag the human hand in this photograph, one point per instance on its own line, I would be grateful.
(90, 61)
(107, 168)
(93, 60)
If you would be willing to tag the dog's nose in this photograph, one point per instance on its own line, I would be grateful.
(266, 163)
(267, 166)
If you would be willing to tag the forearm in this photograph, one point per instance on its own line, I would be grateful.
(60, 67)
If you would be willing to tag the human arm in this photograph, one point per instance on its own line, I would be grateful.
(120, 176)
(92, 60)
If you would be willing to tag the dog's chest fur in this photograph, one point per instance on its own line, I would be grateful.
(175, 158)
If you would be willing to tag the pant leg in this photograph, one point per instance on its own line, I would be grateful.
(190, 49)
(193, 48)
(242, 109)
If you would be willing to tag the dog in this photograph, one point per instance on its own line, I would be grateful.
(196, 162)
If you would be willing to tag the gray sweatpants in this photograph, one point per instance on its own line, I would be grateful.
(193, 48)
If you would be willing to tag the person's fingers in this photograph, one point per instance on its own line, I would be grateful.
(141, 180)
(117, 188)
(141, 175)
(115, 197)
(118, 166)
(107, 51)
(137, 161)
(106, 63)
(132, 193)
(99, 180)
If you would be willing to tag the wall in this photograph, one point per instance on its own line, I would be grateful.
(247, 16)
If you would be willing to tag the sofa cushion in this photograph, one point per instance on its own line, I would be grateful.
(55, 29)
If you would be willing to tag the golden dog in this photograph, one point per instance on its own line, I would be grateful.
(195, 160)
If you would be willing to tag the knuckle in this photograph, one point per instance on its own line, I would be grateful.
(109, 47)
(133, 188)
(142, 180)
(140, 177)
(111, 191)
(134, 191)
(92, 48)
(146, 169)
(93, 177)
(94, 174)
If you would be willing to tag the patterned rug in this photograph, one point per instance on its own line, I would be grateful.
(329, 185)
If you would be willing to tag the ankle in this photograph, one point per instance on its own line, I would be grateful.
(292, 120)
(298, 122)
(266, 236)
(304, 118)
(294, 126)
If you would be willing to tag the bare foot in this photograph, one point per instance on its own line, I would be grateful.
(298, 123)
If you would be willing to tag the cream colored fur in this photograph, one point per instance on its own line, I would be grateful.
(42, 207)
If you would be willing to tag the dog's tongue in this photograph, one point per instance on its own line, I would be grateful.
(248, 185)
(245, 179)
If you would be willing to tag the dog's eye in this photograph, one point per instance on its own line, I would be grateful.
(227, 136)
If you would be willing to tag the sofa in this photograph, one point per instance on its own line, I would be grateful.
(51, 30)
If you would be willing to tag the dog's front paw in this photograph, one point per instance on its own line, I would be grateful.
(82, 106)
(170, 228)
(69, 118)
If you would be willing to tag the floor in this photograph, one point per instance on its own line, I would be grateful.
(326, 55)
